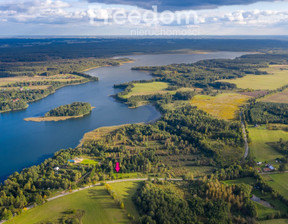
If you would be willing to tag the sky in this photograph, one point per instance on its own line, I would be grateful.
(143, 17)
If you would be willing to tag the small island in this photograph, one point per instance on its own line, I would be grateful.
(65, 112)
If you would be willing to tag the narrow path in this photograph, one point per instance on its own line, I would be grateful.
(245, 135)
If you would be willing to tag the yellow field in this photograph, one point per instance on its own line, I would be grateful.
(274, 80)
(59, 78)
(280, 97)
(223, 106)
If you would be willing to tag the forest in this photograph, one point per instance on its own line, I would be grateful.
(263, 113)
(205, 201)
(43, 49)
(73, 109)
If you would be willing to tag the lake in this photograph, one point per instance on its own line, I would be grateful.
(23, 143)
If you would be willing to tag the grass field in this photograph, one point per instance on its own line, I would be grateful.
(278, 182)
(274, 80)
(89, 162)
(147, 89)
(280, 97)
(277, 205)
(126, 190)
(263, 211)
(259, 137)
(98, 205)
(246, 180)
(223, 106)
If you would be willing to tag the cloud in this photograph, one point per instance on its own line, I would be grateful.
(175, 5)
(73, 14)
(41, 11)
(252, 18)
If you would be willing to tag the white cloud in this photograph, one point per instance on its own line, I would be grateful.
(61, 12)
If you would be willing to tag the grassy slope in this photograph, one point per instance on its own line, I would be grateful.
(259, 137)
(278, 182)
(126, 190)
(98, 205)
(274, 80)
(223, 106)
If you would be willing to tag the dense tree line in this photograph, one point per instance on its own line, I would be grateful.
(281, 146)
(205, 201)
(74, 109)
(263, 113)
(55, 67)
(25, 50)
(161, 206)
(17, 99)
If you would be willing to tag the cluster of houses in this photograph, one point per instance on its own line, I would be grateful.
(267, 168)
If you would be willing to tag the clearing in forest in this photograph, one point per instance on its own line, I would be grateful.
(222, 106)
(260, 136)
(277, 77)
(279, 97)
(150, 88)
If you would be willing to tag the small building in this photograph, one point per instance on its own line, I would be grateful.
(71, 161)
(271, 167)
(259, 163)
(56, 168)
(266, 169)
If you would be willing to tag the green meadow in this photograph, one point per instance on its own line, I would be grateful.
(98, 205)
(259, 148)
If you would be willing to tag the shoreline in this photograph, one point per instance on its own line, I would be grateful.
(55, 119)
(120, 63)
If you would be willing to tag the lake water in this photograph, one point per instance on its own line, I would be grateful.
(23, 144)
